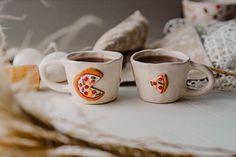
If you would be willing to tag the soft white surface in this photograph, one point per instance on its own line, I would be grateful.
(203, 121)
(28, 56)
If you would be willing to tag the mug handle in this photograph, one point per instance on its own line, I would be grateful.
(197, 92)
(53, 85)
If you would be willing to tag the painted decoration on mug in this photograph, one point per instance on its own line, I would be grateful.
(160, 83)
(84, 84)
(204, 12)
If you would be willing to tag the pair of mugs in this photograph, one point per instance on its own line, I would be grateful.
(94, 76)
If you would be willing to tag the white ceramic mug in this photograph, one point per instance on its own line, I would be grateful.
(204, 12)
(166, 82)
(89, 81)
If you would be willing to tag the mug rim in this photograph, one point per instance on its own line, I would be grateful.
(111, 55)
(161, 52)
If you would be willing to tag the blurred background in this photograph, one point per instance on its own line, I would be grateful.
(47, 16)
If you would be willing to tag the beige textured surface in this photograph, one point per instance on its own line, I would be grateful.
(130, 34)
(207, 121)
(29, 73)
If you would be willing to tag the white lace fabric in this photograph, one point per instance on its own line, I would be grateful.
(220, 45)
(219, 41)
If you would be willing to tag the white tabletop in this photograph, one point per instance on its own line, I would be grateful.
(206, 121)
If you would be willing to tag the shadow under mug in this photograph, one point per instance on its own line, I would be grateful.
(93, 76)
(165, 81)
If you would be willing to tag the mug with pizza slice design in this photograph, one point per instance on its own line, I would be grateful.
(161, 75)
(93, 76)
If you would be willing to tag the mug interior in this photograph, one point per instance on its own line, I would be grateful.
(107, 56)
(160, 52)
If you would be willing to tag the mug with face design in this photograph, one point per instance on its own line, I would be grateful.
(93, 76)
(161, 75)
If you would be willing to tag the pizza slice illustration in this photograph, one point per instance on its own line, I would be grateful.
(84, 84)
(160, 83)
